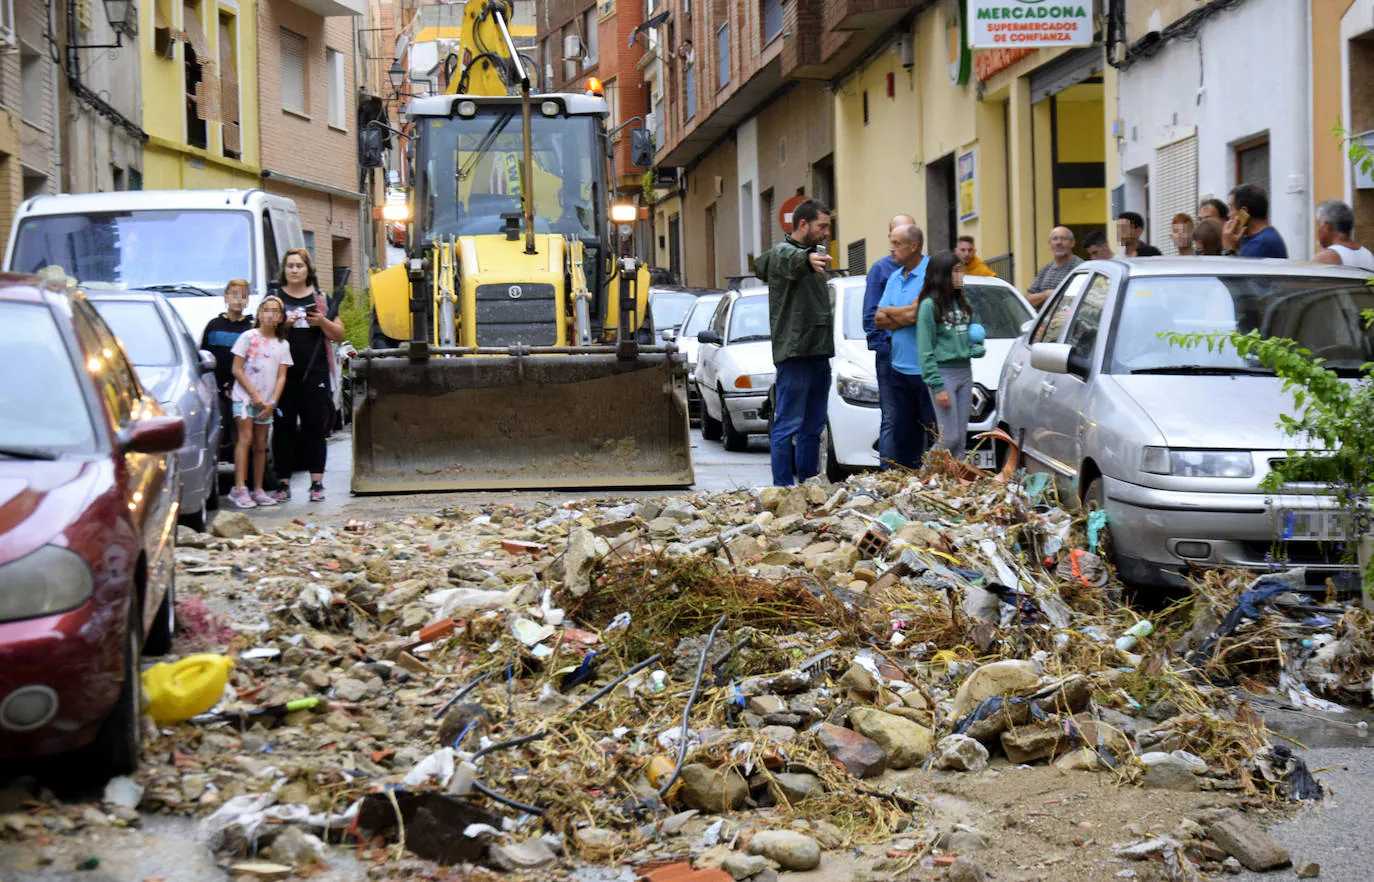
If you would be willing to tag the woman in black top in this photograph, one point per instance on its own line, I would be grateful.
(306, 409)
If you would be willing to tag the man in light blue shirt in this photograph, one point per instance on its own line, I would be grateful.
(878, 339)
(913, 414)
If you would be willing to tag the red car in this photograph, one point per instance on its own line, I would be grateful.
(88, 516)
(396, 233)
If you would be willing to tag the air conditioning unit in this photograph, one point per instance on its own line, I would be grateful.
(572, 48)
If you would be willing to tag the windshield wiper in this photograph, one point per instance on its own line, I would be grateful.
(1209, 370)
(498, 125)
(750, 338)
(28, 453)
(178, 288)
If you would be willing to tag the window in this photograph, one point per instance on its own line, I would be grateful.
(310, 243)
(33, 76)
(293, 95)
(723, 55)
(229, 87)
(589, 37)
(1252, 162)
(48, 410)
(334, 71)
(272, 263)
(689, 85)
(1082, 337)
(772, 19)
(766, 218)
(202, 95)
(1056, 315)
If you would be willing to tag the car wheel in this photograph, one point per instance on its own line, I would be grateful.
(733, 439)
(160, 636)
(1094, 498)
(116, 748)
(198, 519)
(710, 428)
(834, 472)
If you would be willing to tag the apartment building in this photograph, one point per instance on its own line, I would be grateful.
(198, 76)
(102, 135)
(307, 97)
(30, 138)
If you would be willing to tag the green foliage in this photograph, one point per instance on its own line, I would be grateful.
(356, 314)
(1361, 155)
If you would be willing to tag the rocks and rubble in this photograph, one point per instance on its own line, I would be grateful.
(760, 676)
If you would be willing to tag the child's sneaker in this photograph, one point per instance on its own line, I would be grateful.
(240, 497)
(261, 498)
(317, 492)
(283, 492)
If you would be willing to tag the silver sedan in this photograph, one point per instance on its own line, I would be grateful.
(1173, 442)
(181, 377)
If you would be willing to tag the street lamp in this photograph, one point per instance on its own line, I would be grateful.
(117, 14)
(396, 73)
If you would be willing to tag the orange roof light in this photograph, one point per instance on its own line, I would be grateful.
(594, 87)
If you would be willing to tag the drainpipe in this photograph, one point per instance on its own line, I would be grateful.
(56, 107)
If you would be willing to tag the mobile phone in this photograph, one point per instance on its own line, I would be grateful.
(1242, 219)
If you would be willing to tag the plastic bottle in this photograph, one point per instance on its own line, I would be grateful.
(1143, 628)
(658, 680)
(182, 689)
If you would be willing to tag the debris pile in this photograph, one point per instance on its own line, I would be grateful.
(755, 682)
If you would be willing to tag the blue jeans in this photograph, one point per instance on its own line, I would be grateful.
(802, 384)
(882, 364)
(913, 419)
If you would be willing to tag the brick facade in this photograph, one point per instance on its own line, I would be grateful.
(27, 146)
(304, 157)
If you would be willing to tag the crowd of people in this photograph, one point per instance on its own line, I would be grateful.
(274, 372)
(921, 327)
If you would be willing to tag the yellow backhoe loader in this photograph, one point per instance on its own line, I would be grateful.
(513, 348)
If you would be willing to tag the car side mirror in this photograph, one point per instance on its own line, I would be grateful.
(668, 334)
(208, 362)
(709, 337)
(1050, 357)
(154, 435)
(1027, 326)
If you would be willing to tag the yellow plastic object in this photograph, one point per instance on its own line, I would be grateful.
(660, 769)
(180, 690)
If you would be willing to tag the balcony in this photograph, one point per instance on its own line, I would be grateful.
(865, 15)
(821, 39)
(333, 8)
(708, 124)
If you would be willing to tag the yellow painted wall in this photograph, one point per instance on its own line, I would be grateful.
(880, 168)
(1328, 163)
(169, 162)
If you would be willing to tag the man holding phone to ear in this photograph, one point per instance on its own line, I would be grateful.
(1247, 232)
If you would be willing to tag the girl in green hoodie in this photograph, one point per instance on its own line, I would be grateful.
(944, 348)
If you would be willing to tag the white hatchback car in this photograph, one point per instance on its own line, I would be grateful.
(735, 369)
(854, 420)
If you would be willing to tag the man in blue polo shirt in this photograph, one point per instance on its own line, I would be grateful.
(913, 414)
(1255, 238)
(879, 340)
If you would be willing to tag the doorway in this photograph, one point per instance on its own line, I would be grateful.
(675, 246)
(941, 204)
(711, 246)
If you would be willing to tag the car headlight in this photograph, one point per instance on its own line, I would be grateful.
(49, 580)
(982, 402)
(1197, 463)
(856, 387)
(754, 381)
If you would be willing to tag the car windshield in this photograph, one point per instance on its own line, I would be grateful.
(997, 309)
(700, 317)
(45, 414)
(669, 307)
(141, 331)
(749, 319)
(1321, 314)
(140, 249)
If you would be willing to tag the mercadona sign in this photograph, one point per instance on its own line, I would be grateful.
(1008, 24)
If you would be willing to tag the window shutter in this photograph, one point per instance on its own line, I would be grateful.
(293, 72)
(1175, 189)
(229, 89)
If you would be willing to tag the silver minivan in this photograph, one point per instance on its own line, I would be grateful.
(1173, 443)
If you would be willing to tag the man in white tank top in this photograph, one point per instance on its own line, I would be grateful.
(1335, 226)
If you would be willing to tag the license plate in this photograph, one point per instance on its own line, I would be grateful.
(1314, 525)
(985, 459)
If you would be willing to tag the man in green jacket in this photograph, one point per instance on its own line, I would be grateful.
(801, 320)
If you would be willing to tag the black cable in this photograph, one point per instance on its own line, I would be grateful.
(696, 686)
(592, 699)
(501, 797)
(461, 692)
(1185, 28)
(506, 745)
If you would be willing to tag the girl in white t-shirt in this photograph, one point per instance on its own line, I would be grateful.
(261, 357)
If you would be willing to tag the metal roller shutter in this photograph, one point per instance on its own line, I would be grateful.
(1175, 189)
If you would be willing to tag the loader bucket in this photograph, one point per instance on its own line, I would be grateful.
(482, 422)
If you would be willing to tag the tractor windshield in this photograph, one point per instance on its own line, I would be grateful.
(470, 173)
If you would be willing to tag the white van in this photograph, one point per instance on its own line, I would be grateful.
(185, 243)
